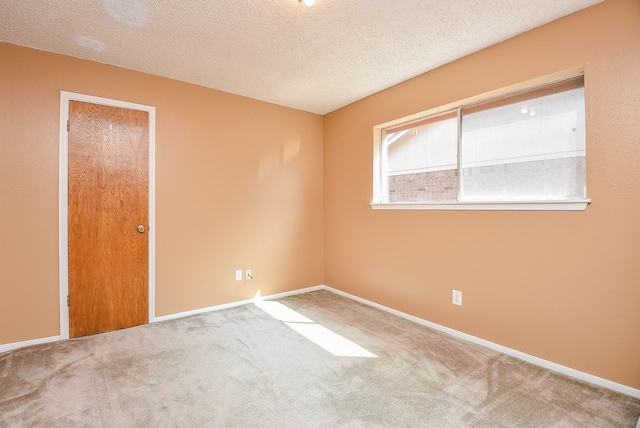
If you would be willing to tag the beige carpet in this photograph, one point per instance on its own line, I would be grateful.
(256, 367)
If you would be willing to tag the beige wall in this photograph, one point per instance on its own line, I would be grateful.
(239, 186)
(563, 286)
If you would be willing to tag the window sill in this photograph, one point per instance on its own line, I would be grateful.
(564, 205)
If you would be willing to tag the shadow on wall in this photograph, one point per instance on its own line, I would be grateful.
(275, 158)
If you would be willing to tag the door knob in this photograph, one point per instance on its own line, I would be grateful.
(141, 229)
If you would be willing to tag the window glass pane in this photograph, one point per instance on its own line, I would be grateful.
(420, 160)
(530, 146)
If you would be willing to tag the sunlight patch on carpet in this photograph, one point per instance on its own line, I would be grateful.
(281, 312)
(330, 341)
(320, 335)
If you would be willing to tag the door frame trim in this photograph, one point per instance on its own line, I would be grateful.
(63, 197)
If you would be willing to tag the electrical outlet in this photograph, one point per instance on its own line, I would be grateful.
(238, 275)
(248, 275)
(457, 298)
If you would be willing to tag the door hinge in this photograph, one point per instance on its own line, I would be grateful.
(68, 126)
(68, 300)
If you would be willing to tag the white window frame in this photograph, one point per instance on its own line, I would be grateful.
(379, 162)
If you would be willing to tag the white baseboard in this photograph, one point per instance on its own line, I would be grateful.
(586, 377)
(294, 292)
(16, 345)
(238, 303)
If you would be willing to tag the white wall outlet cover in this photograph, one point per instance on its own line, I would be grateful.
(457, 298)
(238, 275)
(248, 275)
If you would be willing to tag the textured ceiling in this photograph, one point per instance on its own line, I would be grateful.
(316, 58)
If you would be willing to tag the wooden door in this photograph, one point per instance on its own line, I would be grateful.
(108, 201)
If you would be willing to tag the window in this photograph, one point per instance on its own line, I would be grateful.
(524, 150)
